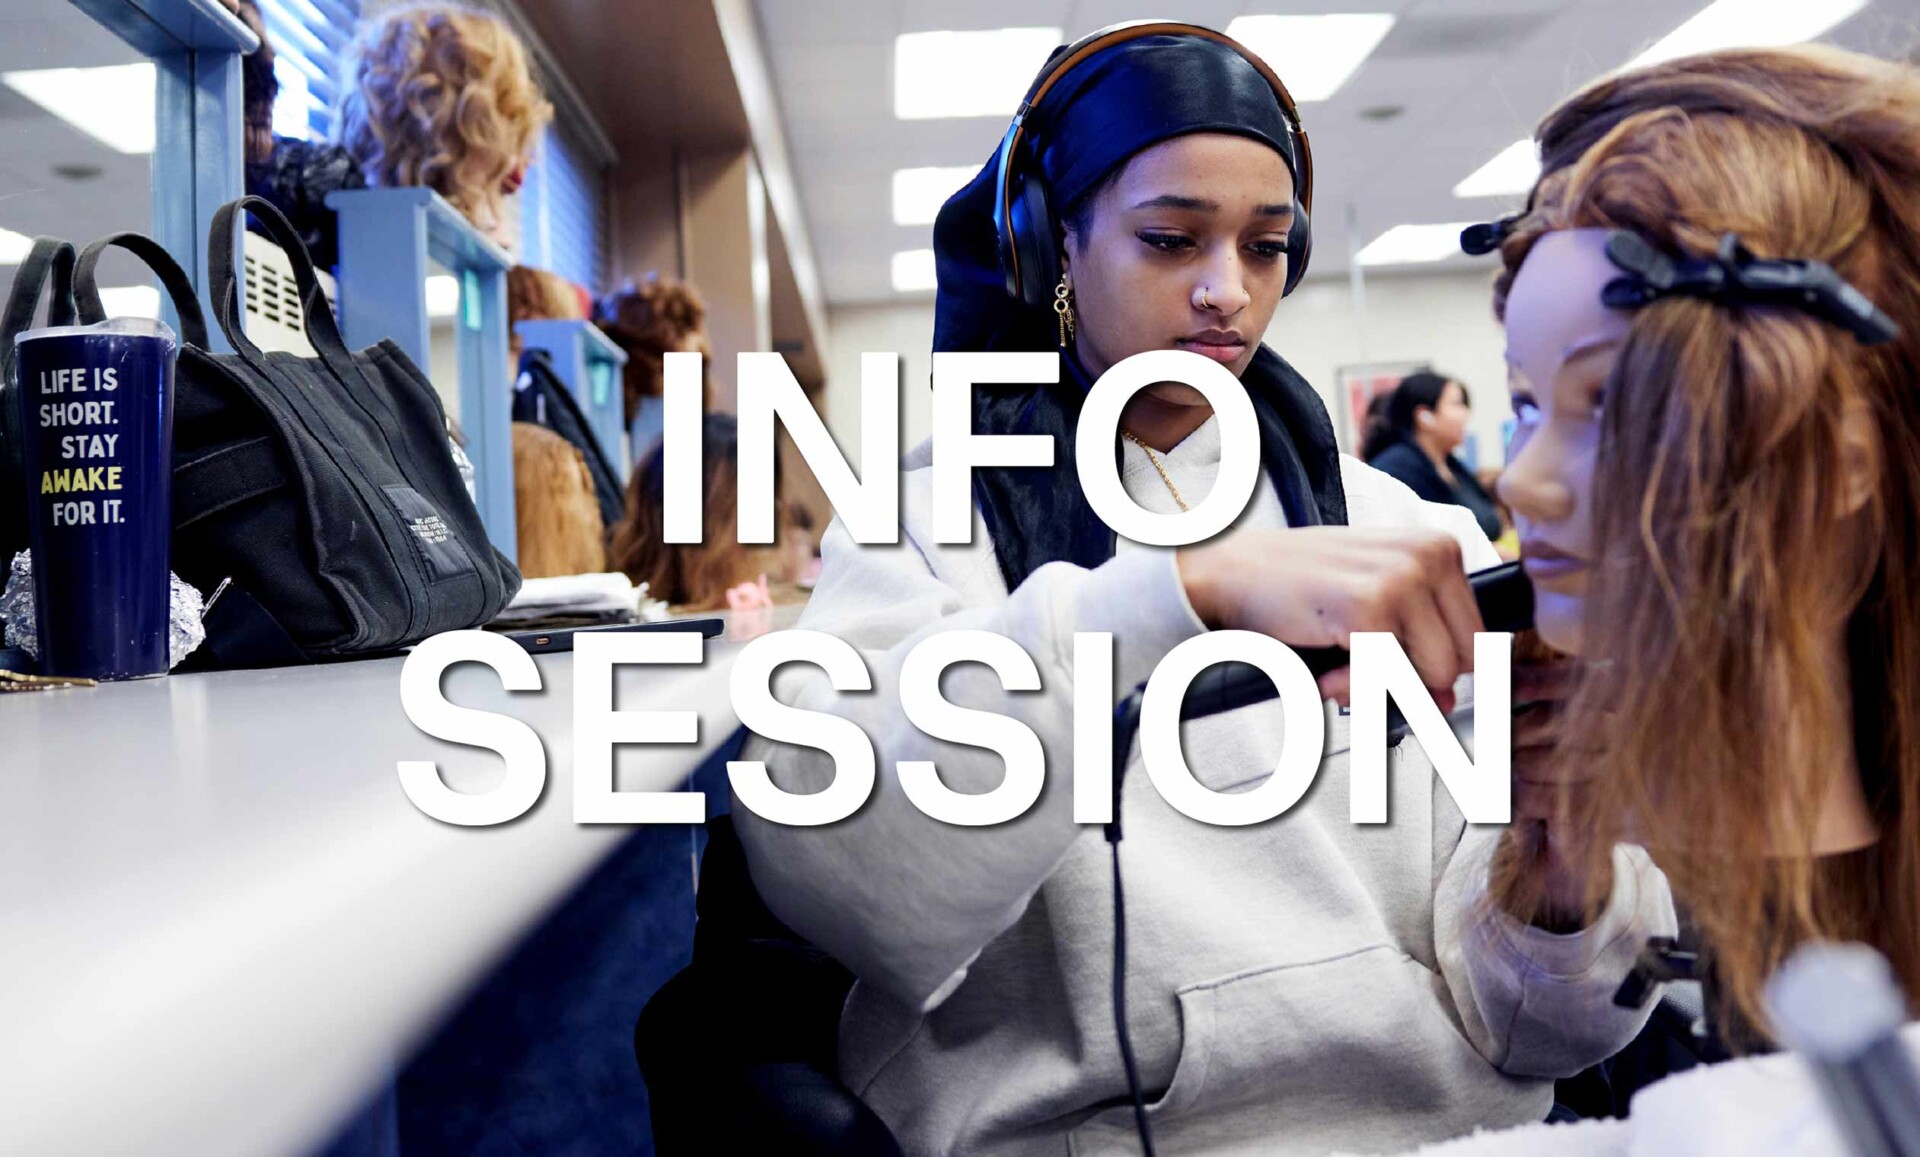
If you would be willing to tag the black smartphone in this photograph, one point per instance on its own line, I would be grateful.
(548, 642)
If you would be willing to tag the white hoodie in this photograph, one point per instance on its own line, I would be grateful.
(1294, 987)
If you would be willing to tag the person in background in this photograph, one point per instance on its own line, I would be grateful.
(296, 175)
(697, 576)
(443, 97)
(1426, 421)
(1375, 436)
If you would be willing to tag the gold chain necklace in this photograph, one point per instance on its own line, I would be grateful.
(1155, 459)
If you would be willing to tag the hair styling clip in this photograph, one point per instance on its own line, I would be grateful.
(1734, 276)
(1480, 240)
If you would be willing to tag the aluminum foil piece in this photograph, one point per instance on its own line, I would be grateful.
(16, 607)
(184, 629)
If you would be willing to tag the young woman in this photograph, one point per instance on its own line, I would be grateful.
(1296, 986)
(1425, 422)
(1718, 491)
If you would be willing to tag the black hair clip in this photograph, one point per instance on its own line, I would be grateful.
(1734, 276)
(1480, 240)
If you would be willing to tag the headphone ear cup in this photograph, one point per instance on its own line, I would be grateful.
(1033, 242)
(1299, 248)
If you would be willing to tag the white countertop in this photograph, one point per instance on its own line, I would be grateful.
(222, 922)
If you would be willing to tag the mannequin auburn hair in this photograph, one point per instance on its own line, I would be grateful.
(538, 295)
(659, 316)
(442, 97)
(694, 576)
(1727, 561)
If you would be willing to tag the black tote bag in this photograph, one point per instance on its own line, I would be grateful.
(322, 491)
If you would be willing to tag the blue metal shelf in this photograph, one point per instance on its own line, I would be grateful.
(589, 363)
(388, 237)
(198, 154)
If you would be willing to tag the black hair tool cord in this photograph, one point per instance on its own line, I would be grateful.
(1120, 1007)
(1126, 722)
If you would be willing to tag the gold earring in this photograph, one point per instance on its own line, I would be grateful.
(1063, 309)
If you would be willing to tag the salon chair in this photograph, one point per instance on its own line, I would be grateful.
(739, 1049)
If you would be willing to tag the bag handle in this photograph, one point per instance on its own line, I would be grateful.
(48, 255)
(186, 304)
(323, 332)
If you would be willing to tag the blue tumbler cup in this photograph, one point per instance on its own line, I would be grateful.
(97, 414)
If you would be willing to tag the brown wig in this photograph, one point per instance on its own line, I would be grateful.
(1727, 562)
(538, 295)
(442, 97)
(660, 316)
(692, 575)
(555, 513)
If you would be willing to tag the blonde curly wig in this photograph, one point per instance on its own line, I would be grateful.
(442, 97)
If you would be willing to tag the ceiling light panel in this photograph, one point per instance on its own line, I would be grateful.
(918, 194)
(14, 247)
(113, 104)
(913, 271)
(1413, 244)
(1313, 55)
(1509, 174)
(967, 74)
(1750, 24)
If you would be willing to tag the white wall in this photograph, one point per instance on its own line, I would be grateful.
(1445, 320)
(905, 328)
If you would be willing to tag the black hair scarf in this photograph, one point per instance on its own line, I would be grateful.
(1126, 99)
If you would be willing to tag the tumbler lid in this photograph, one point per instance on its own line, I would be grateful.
(114, 326)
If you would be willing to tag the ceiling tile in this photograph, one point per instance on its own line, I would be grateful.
(1468, 77)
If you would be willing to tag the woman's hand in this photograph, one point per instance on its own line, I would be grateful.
(1316, 586)
(1549, 854)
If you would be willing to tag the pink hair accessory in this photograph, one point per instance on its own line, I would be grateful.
(749, 596)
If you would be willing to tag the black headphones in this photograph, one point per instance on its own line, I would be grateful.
(1029, 246)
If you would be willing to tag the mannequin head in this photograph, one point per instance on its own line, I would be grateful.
(1721, 504)
(443, 97)
(659, 316)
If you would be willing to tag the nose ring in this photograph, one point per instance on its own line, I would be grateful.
(1205, 301)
